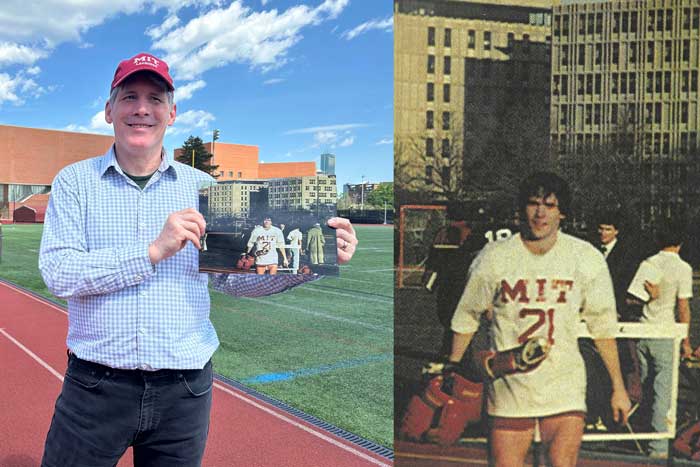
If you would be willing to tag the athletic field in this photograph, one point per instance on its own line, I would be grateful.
(324, 348)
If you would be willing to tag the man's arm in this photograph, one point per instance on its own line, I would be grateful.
(460, 342)
(684, 317)
(619, 401)
(67, 266)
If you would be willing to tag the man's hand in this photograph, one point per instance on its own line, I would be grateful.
(620, 404)
(652, 290)
(180, 227)
(346, 240)
(686, 348)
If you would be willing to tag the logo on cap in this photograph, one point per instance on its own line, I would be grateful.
(146, 60)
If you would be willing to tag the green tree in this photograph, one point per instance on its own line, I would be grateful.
(383, 193)
(202, 157)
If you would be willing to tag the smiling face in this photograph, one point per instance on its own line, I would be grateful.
(140, 114)
(543, 217)
(267, 223)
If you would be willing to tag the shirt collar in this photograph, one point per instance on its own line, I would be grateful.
(109, 159)
(611, 245)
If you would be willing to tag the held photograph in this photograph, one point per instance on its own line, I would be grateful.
(250, 232)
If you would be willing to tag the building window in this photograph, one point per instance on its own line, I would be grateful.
(447, 65)
(581, 54)
(598, 54)
(471, 38)
(445, 120)
(445, 147)
(668, 49)
(429, 147)
(684, 112)
(448, 37)
(487, 40)
(685, 81)
(650, 51)
(616, 22)
(428, 174)
(598, 23)
(686, 50)
(633, 52)
(633, 21)
(431, 92)
(446, 175)
(669, 20)
(511, 40)
(230, 173)
(221, 173)
(431, 63)
(446, 92)
(582, 24)
(564, 85)
(240, 174)
(564, 55)
(429, 120)
(696, 18)
(565, 25)
(431, 35)
(667, 81)
(650, 21)
(615, 53)
(633, 83)
(598, 79)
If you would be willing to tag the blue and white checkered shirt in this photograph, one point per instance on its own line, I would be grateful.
(123, 311)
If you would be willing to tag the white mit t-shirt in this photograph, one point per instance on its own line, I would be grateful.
(675, 280)
(266, 243)
(539, 295)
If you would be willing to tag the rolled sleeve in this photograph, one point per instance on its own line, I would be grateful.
(599, 310)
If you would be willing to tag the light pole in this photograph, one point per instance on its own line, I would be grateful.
(362, 195)
(384, 212)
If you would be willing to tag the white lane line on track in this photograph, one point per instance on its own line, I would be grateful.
(228, 391)
(385, 301)
(44, 302)
(301, 426)
(32, 354)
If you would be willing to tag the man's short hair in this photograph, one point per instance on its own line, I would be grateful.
(610, 217)
(543, 184)
(152, 77)
(671, 232)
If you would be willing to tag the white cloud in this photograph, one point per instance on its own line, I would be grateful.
(385, 25)
(316, 129)
(97, 125)
(325, 137)
(35, 70)
(273, 81)
(263, 2)
(16, 88)
(191, 120)
(347, 142)
(186, 91)
(385, 141)
(52, 22)
(236, 34)
(12, 53)
(156, 32)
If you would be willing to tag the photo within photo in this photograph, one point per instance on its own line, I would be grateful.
(272, 227)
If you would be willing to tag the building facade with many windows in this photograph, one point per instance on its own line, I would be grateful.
(233, 198)
(459, 66)
(294, 193)
(625, 80)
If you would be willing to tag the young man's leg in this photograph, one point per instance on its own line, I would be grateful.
(273, 269)
(510, 440)
(563, 433)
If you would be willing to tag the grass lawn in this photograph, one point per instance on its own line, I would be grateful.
(325, 348)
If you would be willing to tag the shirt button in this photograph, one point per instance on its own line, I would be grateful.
(138, 278)
(142, 331)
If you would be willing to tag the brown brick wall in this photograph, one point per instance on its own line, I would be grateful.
(33, 156)
(287, 169)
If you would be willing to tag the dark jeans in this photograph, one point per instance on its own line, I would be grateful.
(102, 411)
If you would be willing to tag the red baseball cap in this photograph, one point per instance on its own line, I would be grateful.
(142, 62)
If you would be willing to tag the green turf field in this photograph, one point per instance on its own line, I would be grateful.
(324, 348)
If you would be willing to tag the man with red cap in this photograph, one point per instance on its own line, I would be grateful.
(121, 244)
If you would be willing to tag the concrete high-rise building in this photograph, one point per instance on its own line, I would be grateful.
(466, 74)
(625, 79)
(328, 164)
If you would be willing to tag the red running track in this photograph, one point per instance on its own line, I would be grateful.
(245, 431)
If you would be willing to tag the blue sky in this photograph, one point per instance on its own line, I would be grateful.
(296, 78)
